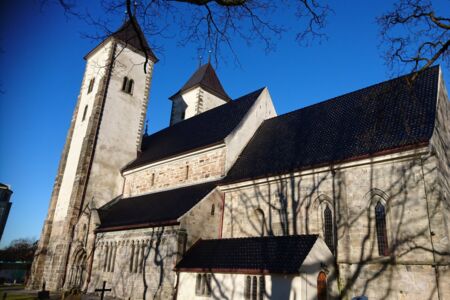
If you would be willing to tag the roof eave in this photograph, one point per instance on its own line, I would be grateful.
(235, 271)
(150, 56)
(355, 158)
(137, 226)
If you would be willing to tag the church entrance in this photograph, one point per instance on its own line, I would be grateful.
(78, 270)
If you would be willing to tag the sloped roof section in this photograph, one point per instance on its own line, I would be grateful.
(152, 209)
(265, 255)
(383, 117)
(206, 78)
(127, 34)
(203, 130)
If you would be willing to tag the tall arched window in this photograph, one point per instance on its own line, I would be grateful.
(130, 86)
(208, 285)
(124, 83)
(105, 264)
(198, 285)
(131, 258)
(254, 288)
(91, 85)
(113, 262)
(84, 113)
(248, 283)
(380, 219)
(322, 290)
(328, 228)
(262, 287)
(213, 208)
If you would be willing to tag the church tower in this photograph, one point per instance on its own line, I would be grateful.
(202, 92)
(104, 135)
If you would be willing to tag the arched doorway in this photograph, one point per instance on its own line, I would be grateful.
(78, 270)
(322, 290)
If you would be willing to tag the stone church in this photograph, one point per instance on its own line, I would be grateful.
(349, 197)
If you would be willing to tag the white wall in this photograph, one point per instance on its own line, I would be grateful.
(121, 126)
(95, 67)
(236, 141)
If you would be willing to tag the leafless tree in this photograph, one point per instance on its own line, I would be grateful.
(415, 35)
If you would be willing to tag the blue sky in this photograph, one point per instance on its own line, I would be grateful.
(42, 66)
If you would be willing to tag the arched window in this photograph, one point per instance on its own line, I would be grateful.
(136, 258)
(247, 287)
(380, 219)
(208, 284)
(111, 251)
(153, 179)
(105, 264)
(124, 83)
(198, 285)
(254, 288)
(130, 86)
(91, 85)
(328, 228)
(262, 287)
(187, 173)
(213, 208)
(114, 258)
(131, 258)
(84, 113)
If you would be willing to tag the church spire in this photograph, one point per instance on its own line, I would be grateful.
(128, 35)
(203, 91)
(206, 78)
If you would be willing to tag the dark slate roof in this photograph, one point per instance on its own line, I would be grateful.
(273, 255)
(128, 35)
(153, 209)
(205, 129)
(207, 78)
(383, 117)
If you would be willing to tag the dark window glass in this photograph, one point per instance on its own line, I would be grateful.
(198, 285)
(106, 258)
(247, 288)
(380, 219)
(213, 208)
(328, 223)
(130, 86)
(124, 83)
(131, 258)
(322, 286)
(208, 285)
(254, 288)
(91, 85)
(262, 287)
(84, 113)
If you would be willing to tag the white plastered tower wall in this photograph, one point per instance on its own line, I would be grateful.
(106, 120)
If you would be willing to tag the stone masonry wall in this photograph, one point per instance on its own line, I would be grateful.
(139, 263)
(204, 219)
(294, 204)
(195, 168)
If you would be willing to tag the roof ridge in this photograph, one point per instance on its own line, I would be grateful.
(353, 92)
(210, 111)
